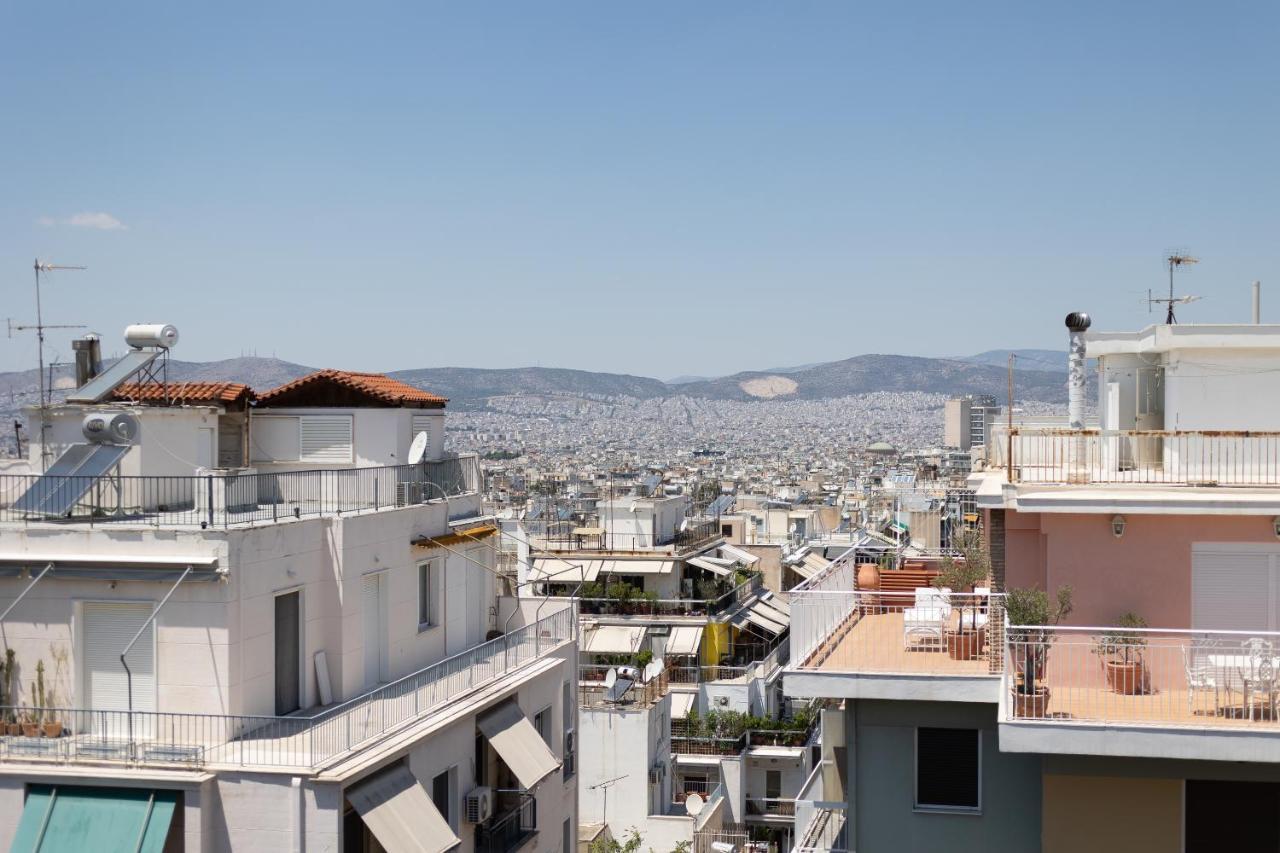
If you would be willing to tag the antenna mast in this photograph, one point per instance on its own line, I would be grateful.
(39, 267)
(1175, 259)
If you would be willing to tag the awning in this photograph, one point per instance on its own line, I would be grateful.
(778, 603)
(588, 531)
(803, 570)
(522, 749)
(816, 563)
(757, 614)
(460, 537)
(564, 571)
(682, 704)
(684, 640)
(399, 813)
(108, 566)
(637, 567)
(70, 819)
(767, 610)
(613, 639)
(744, 557)
(706, 565)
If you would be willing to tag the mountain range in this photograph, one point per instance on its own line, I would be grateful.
(1035, 378)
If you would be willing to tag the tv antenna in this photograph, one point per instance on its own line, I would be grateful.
(46, 267)
(605, 786)
(1175, 260)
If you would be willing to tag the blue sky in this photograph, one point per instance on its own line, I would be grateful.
(656, 188)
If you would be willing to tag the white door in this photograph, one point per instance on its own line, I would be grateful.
(108, 628)
(455, 605)
(206, 449)
(1235, 587)
(376, 664)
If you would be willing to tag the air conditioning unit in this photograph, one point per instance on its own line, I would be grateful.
(408, 494)
(479, 805)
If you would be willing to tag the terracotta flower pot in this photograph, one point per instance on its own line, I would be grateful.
(1034, 706)
(965, 645)
(31, 730)
(14, 729)
(1124, 678)
(868, 577)
(53, 729)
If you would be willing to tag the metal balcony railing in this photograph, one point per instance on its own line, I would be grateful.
(672, 606)
(694, 534)
(1144, 457)
(227, 500)
(771, 807)
(1144, 677)
(509, 830)
(87, 735)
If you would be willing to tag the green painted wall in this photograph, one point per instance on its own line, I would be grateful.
(883, 736)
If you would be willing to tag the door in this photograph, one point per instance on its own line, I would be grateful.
(1149, 415)
(206, 451)
(288, 639)
(108, 628)
(1235, 588)
(376, 669)
(456, 618)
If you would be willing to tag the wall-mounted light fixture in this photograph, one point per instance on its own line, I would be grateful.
(1275, 526)
(1117, 526)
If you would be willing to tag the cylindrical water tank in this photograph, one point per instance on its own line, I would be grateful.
(142, 335)
(110, 428)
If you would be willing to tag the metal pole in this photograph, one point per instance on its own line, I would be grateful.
(1257, 302)
(23, 594)
(128, 672)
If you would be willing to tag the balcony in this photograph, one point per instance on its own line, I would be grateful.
(510, 829)
(771, 809)
(160, 739)
(232, 500)
(1142, 457)
(724, 735)
(1144, 692)
(674, 606)
(873, 645)
(693, 536)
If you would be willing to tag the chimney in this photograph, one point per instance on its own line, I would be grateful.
(88, 350)
(1257, 302)
(1077, 324)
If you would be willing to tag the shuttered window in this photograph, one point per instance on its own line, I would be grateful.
(108, 628)
(1234, 588)
(326, 439)
(948, 769)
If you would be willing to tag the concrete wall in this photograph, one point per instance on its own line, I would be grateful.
(167, 439)
(881, 744)
(1123, 815)
(622, 745)
(380, 436)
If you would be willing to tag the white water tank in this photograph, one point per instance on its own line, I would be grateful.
(143, 335)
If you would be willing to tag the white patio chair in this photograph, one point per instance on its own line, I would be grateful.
(927, 619)
(1203, 676)
(979, 608)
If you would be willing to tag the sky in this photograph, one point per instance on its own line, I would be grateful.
(652, 188)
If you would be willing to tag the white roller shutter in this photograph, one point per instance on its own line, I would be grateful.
(108, 628)
(1233, 589)
(326, 438)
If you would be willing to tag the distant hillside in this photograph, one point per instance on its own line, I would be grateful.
(461, 384)
(866, 373)
(261, 374)
(1024, 359)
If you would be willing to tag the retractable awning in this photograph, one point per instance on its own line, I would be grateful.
(637, 567)
(682, 704)
(514, 738)
(613, 639)
(108, 566)
(734, 553)
(706, 565)
(778, 603)
(803, 570)
(71, 819)
(756, 614)
(565, 571)
(399, 813)
(816, 563)
(684, 640)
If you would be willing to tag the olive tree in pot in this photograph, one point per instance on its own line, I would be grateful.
(961, 575)
(1029, 614)
(1121, 652)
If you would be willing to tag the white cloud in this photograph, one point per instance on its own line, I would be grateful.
(88, 219)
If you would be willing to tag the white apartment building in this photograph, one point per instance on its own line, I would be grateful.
(239, 623)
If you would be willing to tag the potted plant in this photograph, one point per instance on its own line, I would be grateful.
(11, 725)
(1030, 614)
(1121, 651)
(48, 699)
(961, 576)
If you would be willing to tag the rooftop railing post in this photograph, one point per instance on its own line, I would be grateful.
(209, 498)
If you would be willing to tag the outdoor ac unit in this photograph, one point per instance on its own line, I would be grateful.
(479, 805)
(408, 494)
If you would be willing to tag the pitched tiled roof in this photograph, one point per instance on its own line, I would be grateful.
(184, 392)
(376, 386)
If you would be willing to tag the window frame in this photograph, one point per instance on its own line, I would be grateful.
(453, 813)
(928, 808)
(542, 723)
(432, 574)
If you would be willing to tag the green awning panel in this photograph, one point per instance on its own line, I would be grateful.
(71, 819)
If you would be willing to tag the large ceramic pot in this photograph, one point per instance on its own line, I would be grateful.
(1124, 678)
(966, 644)
(1031, 706)
(868, 577)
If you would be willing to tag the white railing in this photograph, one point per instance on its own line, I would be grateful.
(823, 833)
(820, 604)
(1179, 457)
(927, 631)
(1144, 676)
(160, 738)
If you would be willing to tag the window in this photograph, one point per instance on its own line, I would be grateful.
(542, 722)
(426, 594)
(566, 841)
(481, 760)
(443, 788)
(772, 784)
(325, 438)
(948, 769)
(726, 530)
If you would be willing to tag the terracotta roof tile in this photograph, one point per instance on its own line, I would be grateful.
(376, 385)
(184, 392)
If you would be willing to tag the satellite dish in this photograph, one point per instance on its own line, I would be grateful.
(419, 448)
(693, 804)
(610, 678)
(650, 670)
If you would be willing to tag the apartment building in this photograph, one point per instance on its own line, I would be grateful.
(1142, 717)
(255, 622)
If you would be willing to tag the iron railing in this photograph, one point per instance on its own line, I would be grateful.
(694, 534)
(771, 807)
(1157, 457)
(226, 500)
(671, 606)
(505, 832)
(164, 738)
(1144, 676)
